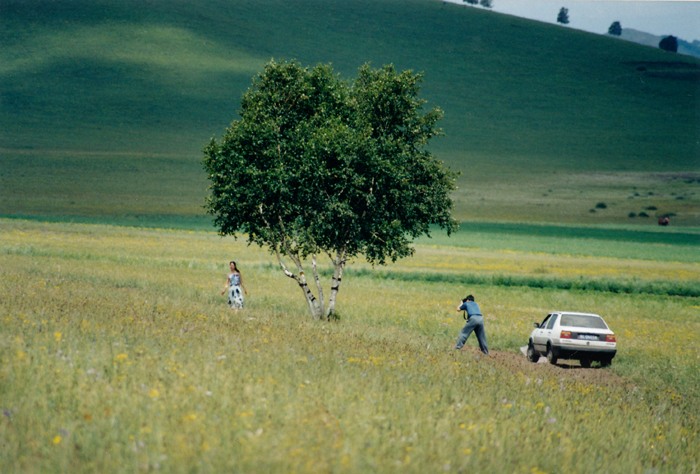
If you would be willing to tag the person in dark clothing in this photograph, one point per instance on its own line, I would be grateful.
(475, 322)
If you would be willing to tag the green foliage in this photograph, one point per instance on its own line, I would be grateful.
(669, 43)
(563, 16)
(316, 165)
(615, 28)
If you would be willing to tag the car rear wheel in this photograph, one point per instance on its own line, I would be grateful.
(585, 363)
(606, 362)
(532, 355)
(551, 357)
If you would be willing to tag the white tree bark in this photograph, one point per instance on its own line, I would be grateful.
(314, 307)
(319, 287)
(338, 267)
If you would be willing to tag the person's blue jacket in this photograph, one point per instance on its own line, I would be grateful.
(471, 308)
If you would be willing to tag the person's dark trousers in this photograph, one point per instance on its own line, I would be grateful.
(476, 324)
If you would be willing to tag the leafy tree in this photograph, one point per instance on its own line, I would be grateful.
(471, 2)
(563, 16)
(615, 29)
(669, 43)
(317, 165)
(486, 3)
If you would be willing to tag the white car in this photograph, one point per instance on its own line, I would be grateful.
(567, 335)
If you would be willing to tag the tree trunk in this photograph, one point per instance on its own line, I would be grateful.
(338, 267)
(319, 287)
(315, 308)
(314, 305)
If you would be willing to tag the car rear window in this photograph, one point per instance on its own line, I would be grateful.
(583, 321)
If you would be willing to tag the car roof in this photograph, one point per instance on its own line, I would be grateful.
(576, 313)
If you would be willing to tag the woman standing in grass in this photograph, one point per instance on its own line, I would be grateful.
(234, 285)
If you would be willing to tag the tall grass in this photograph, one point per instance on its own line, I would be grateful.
(118, 354)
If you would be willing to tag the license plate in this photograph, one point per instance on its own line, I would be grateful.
(588, 337)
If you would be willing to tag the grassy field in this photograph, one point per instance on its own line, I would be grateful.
(105, 106)
(117, 353)
(169, 190)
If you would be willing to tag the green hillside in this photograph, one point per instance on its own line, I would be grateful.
(106, 105)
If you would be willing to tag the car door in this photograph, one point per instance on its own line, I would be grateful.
(549, 330)
(539, 337)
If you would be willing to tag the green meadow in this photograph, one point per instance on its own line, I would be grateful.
(118, 353)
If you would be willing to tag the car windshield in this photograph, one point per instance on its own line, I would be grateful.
(583, 321)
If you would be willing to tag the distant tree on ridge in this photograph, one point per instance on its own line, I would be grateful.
(615, 29)
(669, 43)
(563, 16)
(471, 2)
(486, 3)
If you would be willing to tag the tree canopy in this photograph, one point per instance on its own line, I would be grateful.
(318, 165)
(563, 16)
(615, 28)
(669, 43)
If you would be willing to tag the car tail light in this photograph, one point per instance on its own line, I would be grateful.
(565, 335)
(610, 338)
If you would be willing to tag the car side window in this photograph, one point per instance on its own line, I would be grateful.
(552, 320)
(544, 323)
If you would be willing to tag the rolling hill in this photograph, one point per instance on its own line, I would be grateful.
(106, 105)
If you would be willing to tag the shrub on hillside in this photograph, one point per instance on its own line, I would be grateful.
(669, 43)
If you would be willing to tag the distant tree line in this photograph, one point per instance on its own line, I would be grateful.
(668, 43)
